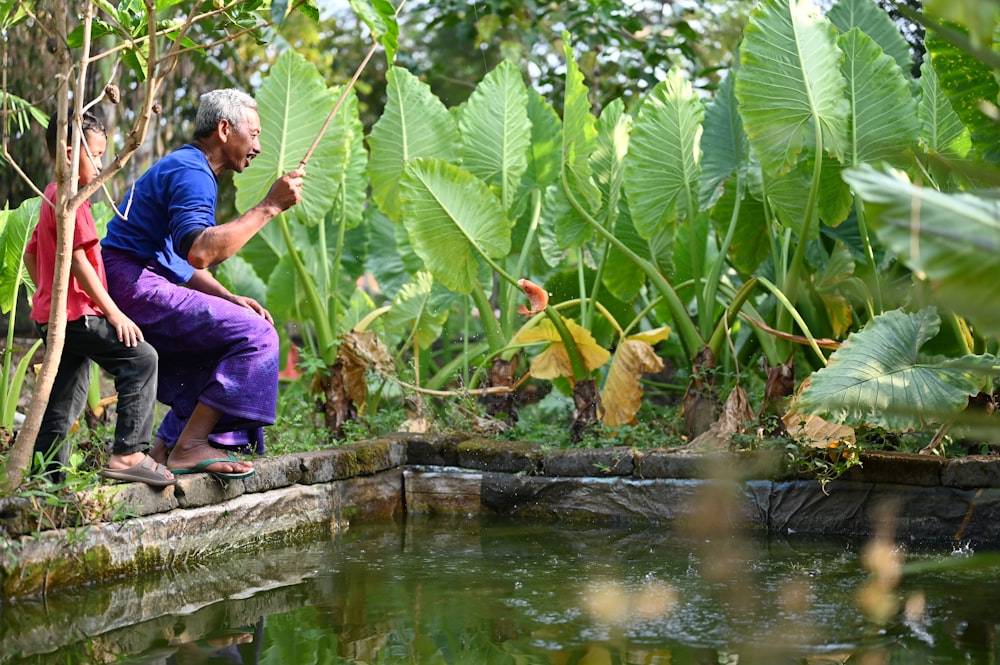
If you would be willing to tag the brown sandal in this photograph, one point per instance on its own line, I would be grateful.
(147, 471)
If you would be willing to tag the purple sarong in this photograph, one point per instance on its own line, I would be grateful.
(211, 351)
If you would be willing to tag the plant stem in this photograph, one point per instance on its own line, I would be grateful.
(580, 372)
(324, 333)
(691, 339)
(494, 336)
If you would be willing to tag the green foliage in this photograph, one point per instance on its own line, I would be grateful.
(496, 116)
(424, 130)
(824, 464)
(15, 231)
(302, 267)
(417, 308)
(959, 240)
(879, 376)
(453, 220)
(380, 17)
(661, 206)
(293, 103)
(790, 46)
(664, 155)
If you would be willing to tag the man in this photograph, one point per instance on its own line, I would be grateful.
(218, 351)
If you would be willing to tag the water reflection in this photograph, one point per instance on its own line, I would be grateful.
(240, 645)
(442, 590)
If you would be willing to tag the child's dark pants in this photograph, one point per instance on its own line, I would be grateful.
(92, 338)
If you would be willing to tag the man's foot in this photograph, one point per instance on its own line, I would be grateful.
(203, 458)
(159, 450)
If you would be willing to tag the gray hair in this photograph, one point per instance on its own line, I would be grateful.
(217, 105)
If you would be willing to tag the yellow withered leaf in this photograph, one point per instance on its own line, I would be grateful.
(553, 362)
(622, 394)
(653, 336)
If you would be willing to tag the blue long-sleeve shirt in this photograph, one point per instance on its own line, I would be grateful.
(176, 196)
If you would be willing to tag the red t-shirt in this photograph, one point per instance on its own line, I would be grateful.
(43, 245)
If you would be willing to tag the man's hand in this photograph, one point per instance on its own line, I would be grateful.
(128, 332)
(218, 243)
(250, 303)
(286, 190)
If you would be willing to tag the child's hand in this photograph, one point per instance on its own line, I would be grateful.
(128, 332)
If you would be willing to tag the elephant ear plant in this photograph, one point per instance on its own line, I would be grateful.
(15, 230)
(921, 364)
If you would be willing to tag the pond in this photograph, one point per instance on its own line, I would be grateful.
(473, 591)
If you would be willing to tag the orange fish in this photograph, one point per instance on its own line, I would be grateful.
(538, 297)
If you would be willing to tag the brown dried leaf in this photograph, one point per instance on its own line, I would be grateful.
(416, 425)
(736, 413)
(358, 351)
(367, 345)
(816, 432)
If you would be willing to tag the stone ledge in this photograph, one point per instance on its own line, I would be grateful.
(53, 560)
(115, 502)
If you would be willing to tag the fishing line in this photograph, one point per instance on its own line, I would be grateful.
(475, 8)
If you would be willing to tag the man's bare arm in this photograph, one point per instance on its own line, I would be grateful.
(217, 243)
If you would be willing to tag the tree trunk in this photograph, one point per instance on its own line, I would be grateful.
(19, 459)
(68, 200)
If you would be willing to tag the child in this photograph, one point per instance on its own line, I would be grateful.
(95, 330)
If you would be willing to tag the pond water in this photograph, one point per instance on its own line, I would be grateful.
(477, 591)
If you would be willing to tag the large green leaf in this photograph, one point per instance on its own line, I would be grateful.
(662, 165)
(787, 194)
(237, 275)
(386, 262)
(608, 160)
(952, 239)
(875, 22)
(724, 144)
(558, 219)
(979, 15)
(285, 297)
(414, 124)
(452, 218)
(789, 84)
(883, 123)
(545, 155)
(15, 231)
(942, 129)
(691, 249)
(579, 133)
(879, 377)
(624, 278)
(293, 103)
(264, 250)
(347, 151)
(416, 308)
(380, 17)
(972, 88)
(752, 239)
(496, 131)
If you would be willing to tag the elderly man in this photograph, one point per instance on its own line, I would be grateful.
(218, 351)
